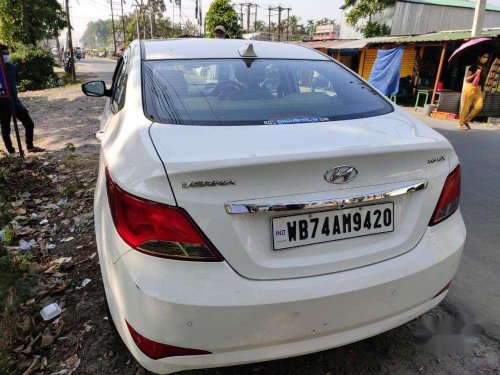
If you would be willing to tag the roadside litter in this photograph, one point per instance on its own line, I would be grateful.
(50, 312)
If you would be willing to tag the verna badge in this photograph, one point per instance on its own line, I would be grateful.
(201, 184)
(341, 174)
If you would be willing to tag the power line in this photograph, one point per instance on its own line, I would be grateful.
(250, 13)
(119, 31)
(280, 9)
(94, 2)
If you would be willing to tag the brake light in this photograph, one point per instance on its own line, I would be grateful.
(449, 199)
(157, 229)
(156, 350)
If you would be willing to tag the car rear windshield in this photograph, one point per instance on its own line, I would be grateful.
(226, 92)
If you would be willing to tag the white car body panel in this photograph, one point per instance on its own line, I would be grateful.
(276, 163)
(261, 304)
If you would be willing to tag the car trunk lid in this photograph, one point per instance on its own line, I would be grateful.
(215, 171)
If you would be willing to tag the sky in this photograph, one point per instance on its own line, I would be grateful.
(83, 11)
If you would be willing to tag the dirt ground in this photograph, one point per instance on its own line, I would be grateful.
(87, 343)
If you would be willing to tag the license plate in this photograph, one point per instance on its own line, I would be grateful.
(326, 226)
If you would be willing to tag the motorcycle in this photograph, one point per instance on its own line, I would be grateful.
(68, 65)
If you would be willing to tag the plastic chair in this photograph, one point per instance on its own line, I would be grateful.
(425, 93)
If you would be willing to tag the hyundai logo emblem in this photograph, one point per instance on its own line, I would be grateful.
(341, 174)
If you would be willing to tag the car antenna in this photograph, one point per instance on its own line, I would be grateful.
(247, 50)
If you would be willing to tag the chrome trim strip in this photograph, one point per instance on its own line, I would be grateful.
(338, 203)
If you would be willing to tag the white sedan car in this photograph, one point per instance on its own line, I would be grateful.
(261, 201)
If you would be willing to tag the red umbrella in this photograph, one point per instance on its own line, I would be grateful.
(468, 52)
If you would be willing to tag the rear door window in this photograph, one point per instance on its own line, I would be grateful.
(120, 83)
(256, 92)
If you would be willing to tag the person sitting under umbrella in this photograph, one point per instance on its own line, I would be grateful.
(472, 94)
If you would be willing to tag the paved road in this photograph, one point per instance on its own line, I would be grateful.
(476, 287)
(101, 68)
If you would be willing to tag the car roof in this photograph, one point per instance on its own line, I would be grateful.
(199, 48)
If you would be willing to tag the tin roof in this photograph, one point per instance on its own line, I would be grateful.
(453, 3)
(442, 36)
(329, 44)
(354, 44)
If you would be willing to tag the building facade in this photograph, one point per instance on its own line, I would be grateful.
(410, 17)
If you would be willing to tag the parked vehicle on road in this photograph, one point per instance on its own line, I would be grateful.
(79, 54)
(246, 211)
(68, 64)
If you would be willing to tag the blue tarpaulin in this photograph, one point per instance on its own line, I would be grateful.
(385, 73)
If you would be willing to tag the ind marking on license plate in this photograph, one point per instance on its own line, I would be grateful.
(326, 226)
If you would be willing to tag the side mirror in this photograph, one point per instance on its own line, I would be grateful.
(95, 88)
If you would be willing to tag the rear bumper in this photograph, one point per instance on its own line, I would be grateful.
(210, 307)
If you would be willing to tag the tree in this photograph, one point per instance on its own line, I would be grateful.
(163, 27)
(97, 34)
(155, 7)
(372, 29)
(158, 6)
(29, 21)
(325, 21)
(221, 12)
(190, 29)
(310, 27)
(260, 25)
(293, 25)
(359, 10)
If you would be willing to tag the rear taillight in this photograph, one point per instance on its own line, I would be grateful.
(157, 229)
(449, 199)
(156, 350)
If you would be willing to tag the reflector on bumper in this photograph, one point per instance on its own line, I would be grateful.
(156, 350)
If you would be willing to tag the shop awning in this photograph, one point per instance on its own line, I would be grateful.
(353, 44)
(328, 44)
(442, 36)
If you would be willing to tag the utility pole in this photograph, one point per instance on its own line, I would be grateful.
(279, 9)
(151, 27)
(113, 26)
(123, 24)
(70, 45)
(288, 25)
(138, 30)
(151, 18)
(279, 23)
(255, 19)
(241, 15)
(248, 17)
(477, 25)
(143, 20)
(269, 24)
(119, 31)
(249, 7)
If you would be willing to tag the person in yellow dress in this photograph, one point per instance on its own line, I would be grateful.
(472, 94)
